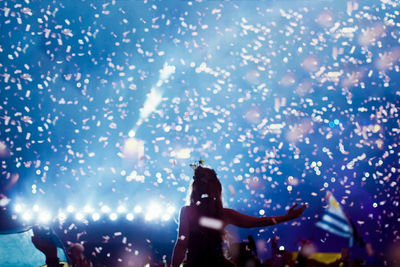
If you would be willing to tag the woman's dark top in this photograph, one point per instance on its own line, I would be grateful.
(204, 245)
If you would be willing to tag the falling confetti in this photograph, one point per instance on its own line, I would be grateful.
(108, 103)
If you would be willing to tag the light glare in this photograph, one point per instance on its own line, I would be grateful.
(153, 99)
(18, 208)
(44, 217)
(95, 216)
(113, 216)
(153, 212)
(79, 216)
(166, 217)
(88, 209)
(70, 208)
(27, 216)
(62, 216)
(36, 208)
(121, 209)
(105, 209)
(171, 209)
(129, 216)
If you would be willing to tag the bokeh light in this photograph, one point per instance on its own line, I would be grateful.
(95, 216)
(113, 216)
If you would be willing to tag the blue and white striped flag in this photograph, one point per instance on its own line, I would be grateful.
(335, 221)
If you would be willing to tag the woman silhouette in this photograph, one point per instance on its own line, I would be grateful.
(201, 223)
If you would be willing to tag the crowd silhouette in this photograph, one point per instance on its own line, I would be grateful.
(201, 238)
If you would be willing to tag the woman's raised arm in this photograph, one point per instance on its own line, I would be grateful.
(182, 240)
(239, 219)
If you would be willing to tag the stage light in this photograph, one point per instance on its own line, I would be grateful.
(153, 99)
(79, 216)
(166, 217)
(166, 71)
(131, 133)
(105, 209)
(44, 217)
(70, 208)
(18, 208)
(62, 216)
(137, 209)
(27, 216)
(95, 216)
(36, 208)
(121, 209)
(281, 248)
(153, 212)
(113, 216)
(129, 216)
(88, 209)
(171, 209)
(4, 201)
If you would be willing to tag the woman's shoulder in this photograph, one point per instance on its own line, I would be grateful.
(189, 211)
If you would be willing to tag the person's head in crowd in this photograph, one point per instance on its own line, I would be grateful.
(206, 192)
(394, 254)
(307, 248)
(76, 252)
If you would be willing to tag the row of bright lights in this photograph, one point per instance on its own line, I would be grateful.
(153, 212)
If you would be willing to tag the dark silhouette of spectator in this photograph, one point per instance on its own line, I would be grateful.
(245, 253)
(306, 251)
(48, 248)
(394, 254)
(278, 257)
(203, 220)
(76, 256)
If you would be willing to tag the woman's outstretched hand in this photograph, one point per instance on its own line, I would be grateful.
(294, 213)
